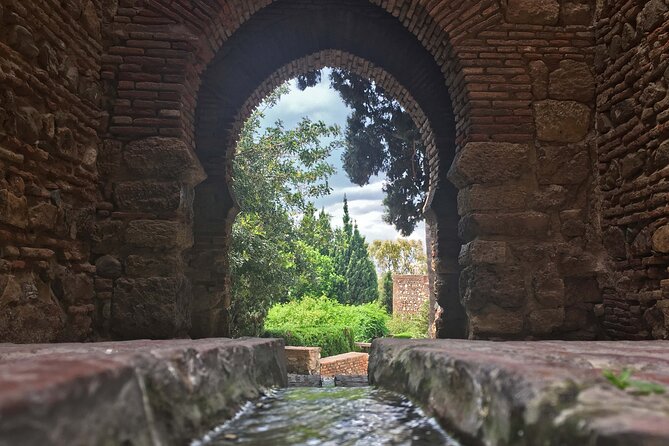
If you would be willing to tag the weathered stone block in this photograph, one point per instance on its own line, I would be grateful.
(160, 234)
(495, 322)
(43, 216)
(488, 198)
(657, 317)
(154, 265)
(303, 360)
(576, 13)
(651, 15)
(156, 307)
(572, 81)
(107, 236)
(582, 289)
(534, 12)
(561, 121)
(549, 288)
(539, 76)
(108, 266)
(502, 285)
(148, 196)
(614, 242)
(544, 321)
(13, 209)
(563, 165)
(75, 288)
(573, 223)
(482, 251)
(623, 111)
(487, 162)
(521, 224)
(661, 156)
(660, 241)
(632, 164)
(29, 311)
(163, 158)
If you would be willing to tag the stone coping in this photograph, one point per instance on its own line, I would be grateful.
(136, 392)
(530, 393)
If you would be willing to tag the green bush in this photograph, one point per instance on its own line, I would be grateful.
(410, 326)
(319, 320)
(332, 340)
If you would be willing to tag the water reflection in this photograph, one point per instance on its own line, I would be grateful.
(331, 417)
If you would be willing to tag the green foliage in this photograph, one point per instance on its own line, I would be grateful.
(387, 292)
(415, 327)
(364, 322)
(624, 381)
(381, 137)
(276, 172)
(402, 256)
(333, 340)
(352, 261)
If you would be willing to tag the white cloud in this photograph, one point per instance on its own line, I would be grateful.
(365, 203)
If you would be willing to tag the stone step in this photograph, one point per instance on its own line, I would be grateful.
(530, 393)
(295, 380)
(351, 381)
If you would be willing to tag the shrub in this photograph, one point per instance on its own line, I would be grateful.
(332, 340)
(321, 320)
(414, 326)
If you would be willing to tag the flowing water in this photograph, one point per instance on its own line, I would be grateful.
(337, 416)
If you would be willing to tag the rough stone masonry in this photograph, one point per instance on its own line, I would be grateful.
(546, 122)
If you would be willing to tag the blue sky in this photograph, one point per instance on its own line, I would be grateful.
(365, 203)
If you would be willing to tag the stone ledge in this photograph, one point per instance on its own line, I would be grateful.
(530, 393)
(139, 392)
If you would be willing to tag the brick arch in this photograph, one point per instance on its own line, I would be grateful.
(244, 72)
(336, 59)
(520, 137)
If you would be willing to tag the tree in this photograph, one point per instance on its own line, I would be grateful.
(402, 256)
(361, 275)
(276, 172)
(381, 137)
(353, 262)
(387, 291)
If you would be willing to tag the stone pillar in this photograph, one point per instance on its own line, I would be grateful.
(143, 291)
(209, 266)
(441, 218)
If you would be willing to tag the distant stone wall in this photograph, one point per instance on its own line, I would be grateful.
(409, 294)
(351, 363)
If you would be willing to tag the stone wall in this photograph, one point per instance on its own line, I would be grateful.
(352, 363)
(132, 393)
(112, 115)
(410, 292)
(50, 102)
(303, 360)
(632, 68)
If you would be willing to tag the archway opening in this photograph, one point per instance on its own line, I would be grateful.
(271, 48)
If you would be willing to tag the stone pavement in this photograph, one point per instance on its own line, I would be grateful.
(530, 393)
(136, 392)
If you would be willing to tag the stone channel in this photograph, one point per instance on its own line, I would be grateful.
(484, 393)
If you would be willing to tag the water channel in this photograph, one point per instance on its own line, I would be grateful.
(336, 416)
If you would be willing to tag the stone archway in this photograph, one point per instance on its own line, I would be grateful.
(214, 222)
(519, 140)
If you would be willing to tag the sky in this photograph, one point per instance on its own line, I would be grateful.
(365, 203)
